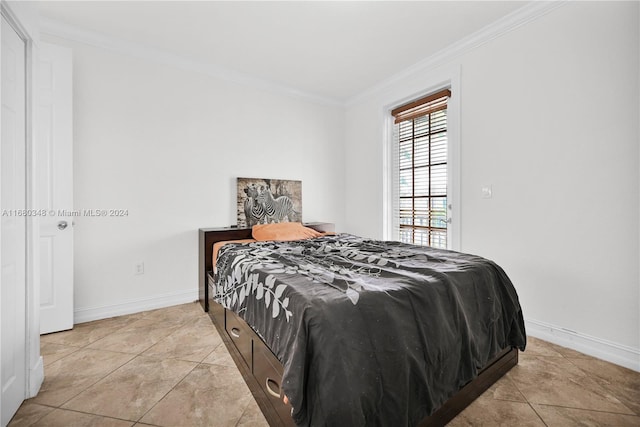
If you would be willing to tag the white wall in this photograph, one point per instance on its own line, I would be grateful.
(167, 145)
(549, 118)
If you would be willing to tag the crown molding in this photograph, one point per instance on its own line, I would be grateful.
(502, 26)
(23, 18)
(58, 29)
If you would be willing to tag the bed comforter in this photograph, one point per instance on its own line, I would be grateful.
(370, 333)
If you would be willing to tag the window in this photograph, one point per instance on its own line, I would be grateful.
(420, 151)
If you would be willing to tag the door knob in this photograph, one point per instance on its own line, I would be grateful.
(62, 225)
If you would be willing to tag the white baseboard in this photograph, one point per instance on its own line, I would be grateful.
(36, 378)
(89, 314)
(619, 354)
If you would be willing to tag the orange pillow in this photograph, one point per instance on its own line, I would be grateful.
(283, 231)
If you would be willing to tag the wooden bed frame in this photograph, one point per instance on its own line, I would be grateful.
(262, 371)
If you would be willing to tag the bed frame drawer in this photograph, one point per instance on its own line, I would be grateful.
(268, 372)
(241, 336)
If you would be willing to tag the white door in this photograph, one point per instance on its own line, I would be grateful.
(13, 232)
(55, 187)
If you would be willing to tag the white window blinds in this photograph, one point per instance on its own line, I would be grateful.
(420, 171)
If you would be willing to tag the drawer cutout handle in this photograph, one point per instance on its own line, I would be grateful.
(270, 383)
(235, 332)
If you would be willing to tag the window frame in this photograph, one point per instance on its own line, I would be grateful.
(391, 226)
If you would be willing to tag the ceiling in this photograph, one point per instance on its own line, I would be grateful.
(327, 49)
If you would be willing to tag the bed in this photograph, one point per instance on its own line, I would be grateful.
(311, 361)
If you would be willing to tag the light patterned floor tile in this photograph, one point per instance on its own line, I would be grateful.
(28, 414)
(252, 416)
(491, 412)
(130, 391)
(555, 416)
(179, 315)
(623, 383)
(64, 418)
(556, 381)
(67, 377)
(220, 356)
(86, 333)
(52, 352)
(538, 347)
(136, 337)
(193, 343)
(211, 395)
(505, 389)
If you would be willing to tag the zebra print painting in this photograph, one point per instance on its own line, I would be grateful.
(263, 201)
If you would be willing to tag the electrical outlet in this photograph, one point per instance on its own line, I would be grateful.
(138, 268)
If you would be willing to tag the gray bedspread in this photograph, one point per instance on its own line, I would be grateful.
(370, 333)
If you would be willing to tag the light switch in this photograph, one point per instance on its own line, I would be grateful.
(487, 192)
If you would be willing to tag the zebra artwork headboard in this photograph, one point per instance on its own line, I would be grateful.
(263, 201)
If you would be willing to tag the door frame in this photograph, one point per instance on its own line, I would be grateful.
(22, 16)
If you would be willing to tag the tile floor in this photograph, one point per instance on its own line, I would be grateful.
(169, 367)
